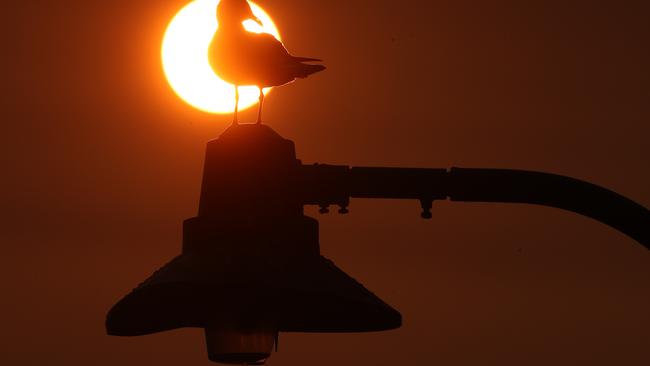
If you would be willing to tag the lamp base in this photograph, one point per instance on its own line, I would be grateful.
(237, 347)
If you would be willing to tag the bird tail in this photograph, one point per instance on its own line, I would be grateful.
(304, 70)
(307, 59)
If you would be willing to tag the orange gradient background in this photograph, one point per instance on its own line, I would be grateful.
(101, 162)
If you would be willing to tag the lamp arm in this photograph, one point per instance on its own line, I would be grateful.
(337, 184)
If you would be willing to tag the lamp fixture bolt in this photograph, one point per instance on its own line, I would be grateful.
(343, 210)
(324, 209)
(426, 208)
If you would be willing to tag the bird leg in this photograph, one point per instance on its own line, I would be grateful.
(259, 112)
(235, 121)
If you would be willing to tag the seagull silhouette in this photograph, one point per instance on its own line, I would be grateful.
(244, 58)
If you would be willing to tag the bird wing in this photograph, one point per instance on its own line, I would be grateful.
(269, 62)
(268, 46)
(265, 48)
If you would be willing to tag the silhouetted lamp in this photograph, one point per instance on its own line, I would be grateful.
(251, 266)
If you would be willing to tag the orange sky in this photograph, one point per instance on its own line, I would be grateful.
(102, 162)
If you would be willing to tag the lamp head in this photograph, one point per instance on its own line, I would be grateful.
(251, 264)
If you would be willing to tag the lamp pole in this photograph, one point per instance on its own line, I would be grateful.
(327, 185)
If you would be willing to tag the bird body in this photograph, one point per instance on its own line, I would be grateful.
(244, 58)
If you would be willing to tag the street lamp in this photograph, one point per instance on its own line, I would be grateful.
(251, 266)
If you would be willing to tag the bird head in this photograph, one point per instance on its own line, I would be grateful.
(234, 12)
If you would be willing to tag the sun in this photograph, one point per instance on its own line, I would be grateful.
(185, 58)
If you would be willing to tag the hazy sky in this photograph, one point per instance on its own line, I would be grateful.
(102, 162)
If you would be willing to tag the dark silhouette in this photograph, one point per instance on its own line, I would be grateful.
(251, 266)
(244, 58)
(336, 184)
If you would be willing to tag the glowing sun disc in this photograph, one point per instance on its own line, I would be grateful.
(185, 58)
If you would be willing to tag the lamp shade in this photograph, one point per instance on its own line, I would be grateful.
(257, 274)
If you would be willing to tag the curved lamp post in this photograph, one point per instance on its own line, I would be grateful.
(251, 267)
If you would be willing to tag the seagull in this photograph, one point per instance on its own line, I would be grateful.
(244, 58)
